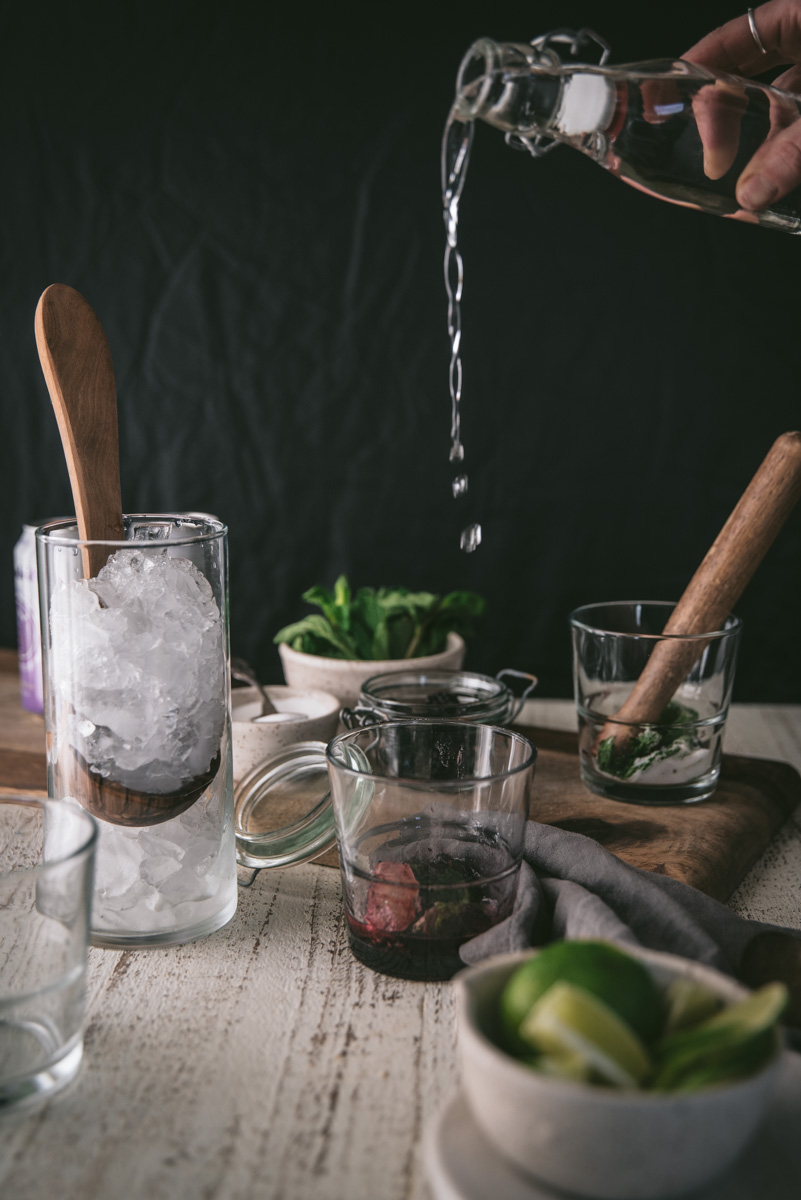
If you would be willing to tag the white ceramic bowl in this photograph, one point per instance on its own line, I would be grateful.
(253, 742)
(593, 1141)
(344, 677)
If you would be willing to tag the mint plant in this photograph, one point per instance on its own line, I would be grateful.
(380, 623)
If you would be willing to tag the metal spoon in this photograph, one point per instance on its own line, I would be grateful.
(244, 672)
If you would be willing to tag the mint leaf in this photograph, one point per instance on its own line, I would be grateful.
(674, 734)
(465, 604)
(400, 631)
(315, 635)
(606, 755)
(342, 593)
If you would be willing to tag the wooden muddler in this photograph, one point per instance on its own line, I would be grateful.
(716, 586)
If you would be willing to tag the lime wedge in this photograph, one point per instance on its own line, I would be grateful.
(688, 1003)
(568, 1020)
(608, 973)
(734, 1042)
(733, 1025)
(737, 1062)
(755, 1014)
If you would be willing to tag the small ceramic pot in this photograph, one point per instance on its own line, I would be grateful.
(256, 741)
(594, 1141)
(344, 677)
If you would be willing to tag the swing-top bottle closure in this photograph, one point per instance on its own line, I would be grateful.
(537, 99)
(521, 89)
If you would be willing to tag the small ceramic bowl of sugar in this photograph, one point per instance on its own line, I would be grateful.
(301, 715)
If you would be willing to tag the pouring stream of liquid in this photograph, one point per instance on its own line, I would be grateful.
(456, 143)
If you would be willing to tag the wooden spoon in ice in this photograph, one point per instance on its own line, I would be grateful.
(76, 361)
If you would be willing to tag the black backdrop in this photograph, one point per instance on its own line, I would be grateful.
(248, 196)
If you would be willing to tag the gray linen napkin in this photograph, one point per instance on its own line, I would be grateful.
(572, 887)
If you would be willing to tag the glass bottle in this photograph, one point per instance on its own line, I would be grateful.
(670, 128)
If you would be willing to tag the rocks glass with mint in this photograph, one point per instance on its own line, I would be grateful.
(137, 717)
(673, 758)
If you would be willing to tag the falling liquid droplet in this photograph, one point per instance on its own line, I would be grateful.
(457, 452)
(471, 538)
(459, 486)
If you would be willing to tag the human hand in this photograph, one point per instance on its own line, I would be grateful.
(775, 169)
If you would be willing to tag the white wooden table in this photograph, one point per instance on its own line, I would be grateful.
(265, 1062)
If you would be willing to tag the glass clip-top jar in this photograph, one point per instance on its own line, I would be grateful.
(283, 811)
(439, 695)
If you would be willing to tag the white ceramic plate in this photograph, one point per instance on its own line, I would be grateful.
(462, 1165)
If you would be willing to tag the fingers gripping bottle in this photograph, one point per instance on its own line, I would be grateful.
(672, 129)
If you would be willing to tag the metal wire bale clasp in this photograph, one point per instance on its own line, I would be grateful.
(533, 681)
(575, 40)
(360, 717)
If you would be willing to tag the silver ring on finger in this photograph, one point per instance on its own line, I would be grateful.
(755, 32)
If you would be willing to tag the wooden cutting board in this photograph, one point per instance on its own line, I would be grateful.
(711, 845)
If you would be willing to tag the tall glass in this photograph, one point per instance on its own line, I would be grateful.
(46, 857)
(430, 820)
(673, 755)
(137, 717)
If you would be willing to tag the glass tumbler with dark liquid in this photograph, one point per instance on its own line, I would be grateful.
(430, 820)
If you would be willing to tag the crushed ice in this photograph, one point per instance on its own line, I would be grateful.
(138, 659)
(176, 873)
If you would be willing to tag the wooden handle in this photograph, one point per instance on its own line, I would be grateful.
(718, 583)
(78, 371)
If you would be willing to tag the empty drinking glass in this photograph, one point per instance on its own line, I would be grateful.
(47, 850)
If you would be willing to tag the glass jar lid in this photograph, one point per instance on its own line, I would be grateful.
(282, 809)
(443, 694)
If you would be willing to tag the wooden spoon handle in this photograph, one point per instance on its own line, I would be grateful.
(76, 362)
(719, 582)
